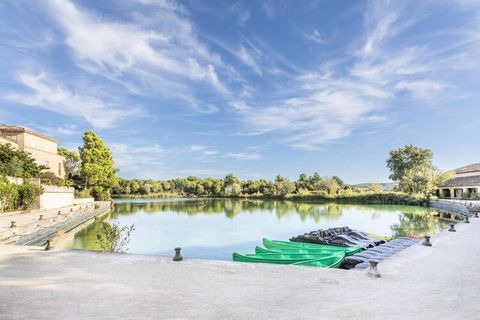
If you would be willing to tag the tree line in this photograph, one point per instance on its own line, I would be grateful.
(91, 171)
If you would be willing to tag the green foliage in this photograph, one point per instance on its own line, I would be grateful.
(17, 163)
(96, 166)
(413, 168)
(28, 194)
(71, 163)
(18, 197)
(376, 188)
(50, 178)
(408, 158)
(8, 195)
(283, 186)
(113, 238)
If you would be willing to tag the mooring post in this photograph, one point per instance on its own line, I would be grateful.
(373, 271)
(59, 212)
(178, 256)
(452, 227)
(426, 242)
(41, 217)
(13, 224)
(48, 247)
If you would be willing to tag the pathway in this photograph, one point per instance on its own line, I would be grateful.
(440, 282)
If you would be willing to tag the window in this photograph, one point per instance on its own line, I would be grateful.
(47, 164)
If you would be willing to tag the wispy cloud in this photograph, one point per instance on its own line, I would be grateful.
(329, 103)
(242, 155)
(53, 96)
(132, 158)
(169, 53)
(241, 12)
(315, 36)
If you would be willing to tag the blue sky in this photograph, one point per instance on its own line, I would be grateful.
(256, 88)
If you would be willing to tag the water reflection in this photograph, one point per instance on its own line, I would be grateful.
(214, 228)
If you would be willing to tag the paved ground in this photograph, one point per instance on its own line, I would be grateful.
(442, 282)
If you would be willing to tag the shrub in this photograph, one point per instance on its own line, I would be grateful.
(8, 195)
(28, 195)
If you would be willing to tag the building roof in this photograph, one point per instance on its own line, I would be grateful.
(18, 130)
(462, 182)
(470, 168)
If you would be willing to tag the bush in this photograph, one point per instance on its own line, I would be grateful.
(28, 195)
(8, 195)
(18, 197)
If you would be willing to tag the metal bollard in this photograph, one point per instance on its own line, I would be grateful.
(13, 224)
(178, 256)
(426, 242)
(48, 246)
(41, 217)
(59, 212)
(465, 220)
(373, 271)
(452, 227)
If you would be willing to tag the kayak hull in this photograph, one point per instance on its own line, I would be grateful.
(277, 244)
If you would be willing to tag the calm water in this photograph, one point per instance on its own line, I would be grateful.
(214, 228)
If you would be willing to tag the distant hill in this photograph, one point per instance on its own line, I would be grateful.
(387, 186)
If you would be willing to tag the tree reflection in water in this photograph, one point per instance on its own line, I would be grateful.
(412, 221)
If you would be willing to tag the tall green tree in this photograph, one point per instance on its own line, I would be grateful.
(413, 168)
(97, 166)
(408, 158)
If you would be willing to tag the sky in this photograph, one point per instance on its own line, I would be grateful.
(257, 88)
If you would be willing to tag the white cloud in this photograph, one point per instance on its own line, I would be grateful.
(242, 155)
(250, 58)
(160, 46)
(343, 95)
(52, 96)
(315, 36)
(133, 158)
(241, 12)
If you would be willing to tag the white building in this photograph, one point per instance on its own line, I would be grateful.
(466, 181)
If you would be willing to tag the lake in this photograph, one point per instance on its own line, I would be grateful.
(215, 228)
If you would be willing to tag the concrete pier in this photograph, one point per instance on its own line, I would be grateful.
(438, 282)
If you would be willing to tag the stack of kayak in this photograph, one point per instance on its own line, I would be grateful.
(298, 253)
(343, 236)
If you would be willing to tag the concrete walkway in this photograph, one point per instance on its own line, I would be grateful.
(441, 282)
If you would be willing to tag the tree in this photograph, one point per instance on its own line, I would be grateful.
(413, 168)
(406, 159)
(376, 188)
(71, 163)
(17, 163)
(283, 186)
(113, 238)
(97, 166)
(230, 179)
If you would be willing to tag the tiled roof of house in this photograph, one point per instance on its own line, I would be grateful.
(462, 182)
(470, 168)
(5, 129)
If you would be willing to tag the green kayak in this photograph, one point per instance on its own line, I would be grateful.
(293, 251)
(279, 245)
(321, 260)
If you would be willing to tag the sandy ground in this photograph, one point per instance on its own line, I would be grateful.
(441, 282)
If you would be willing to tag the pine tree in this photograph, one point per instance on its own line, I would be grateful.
(96, 167)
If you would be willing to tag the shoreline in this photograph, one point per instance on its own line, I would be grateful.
(151, 287)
